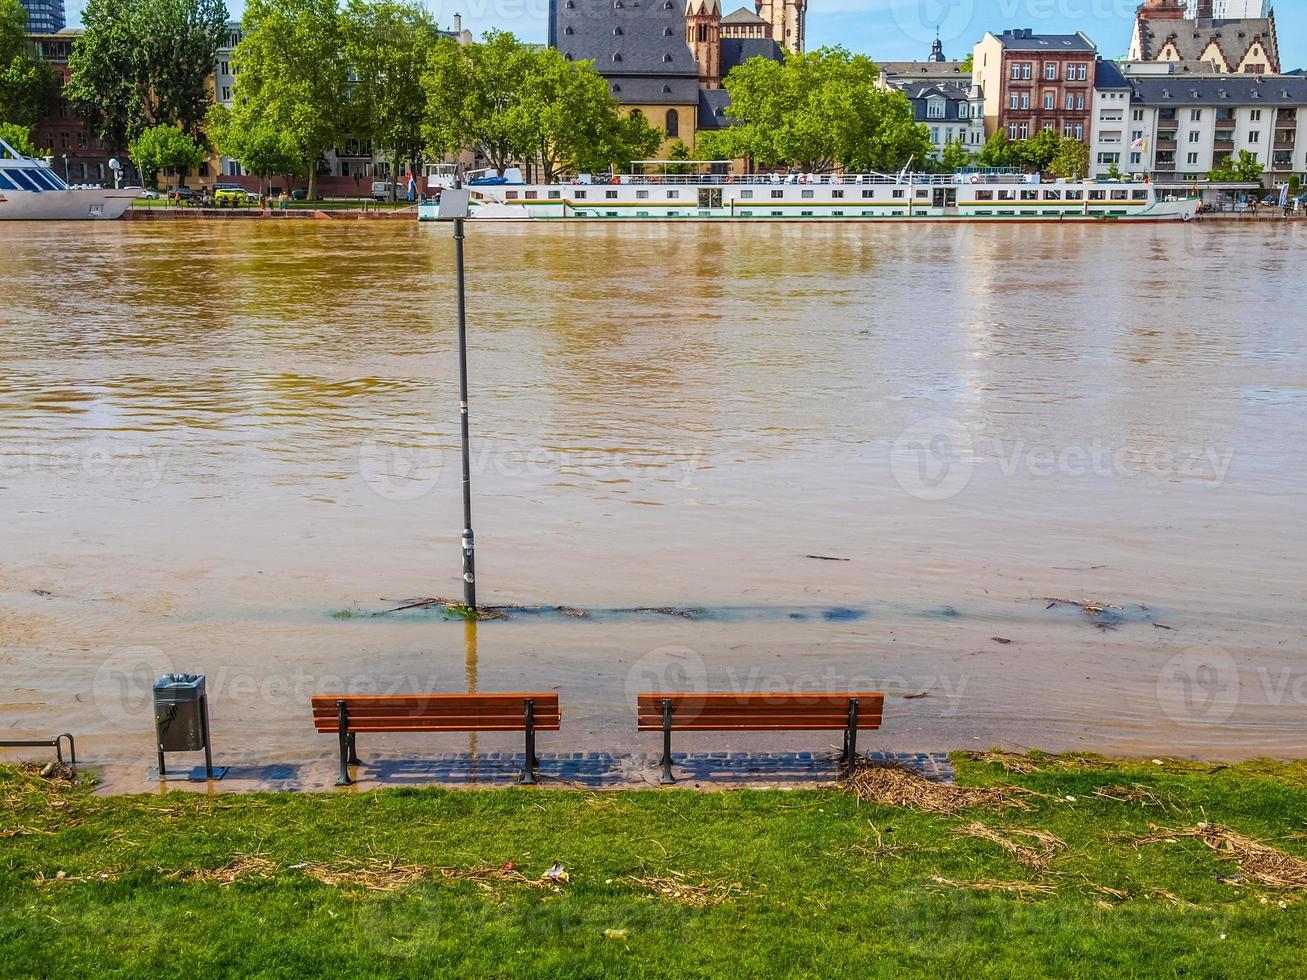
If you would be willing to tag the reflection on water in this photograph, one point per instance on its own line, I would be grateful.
(205, 426)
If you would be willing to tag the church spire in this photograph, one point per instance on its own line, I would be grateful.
(937, 49)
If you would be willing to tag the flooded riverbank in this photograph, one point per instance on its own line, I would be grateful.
(222, 451)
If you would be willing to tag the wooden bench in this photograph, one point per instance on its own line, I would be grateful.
(759, 712)
(347, 715)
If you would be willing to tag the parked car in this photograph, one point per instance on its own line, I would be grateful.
(185, 194)
(234, 197)
(150, 195)
(299, 194)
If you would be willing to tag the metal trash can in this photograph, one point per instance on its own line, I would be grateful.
(181, 722)
(179, 712)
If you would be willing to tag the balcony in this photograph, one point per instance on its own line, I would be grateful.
(1221, 147)
(1282, 161)
(1166, 144)
(1285, 117)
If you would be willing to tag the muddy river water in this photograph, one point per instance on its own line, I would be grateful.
(224, 446)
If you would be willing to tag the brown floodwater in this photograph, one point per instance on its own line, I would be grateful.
(224, 445)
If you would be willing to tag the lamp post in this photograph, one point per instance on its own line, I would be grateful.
(455, 205)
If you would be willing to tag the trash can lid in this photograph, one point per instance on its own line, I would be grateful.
(174, 681)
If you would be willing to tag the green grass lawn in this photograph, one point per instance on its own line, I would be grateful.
(755, 883)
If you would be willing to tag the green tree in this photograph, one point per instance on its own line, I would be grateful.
(1114, 172)
(1071, 160)
(1247, 169)
(999, 151)
(165, 148)
(18, 137)
(474, 95)
(145, 63)
(821, 109)
(955, 156)
(387, 46)
(1037, 153)
(29, 87)
(575, 122)
(969, 63)
(260, 148)
(293, 77)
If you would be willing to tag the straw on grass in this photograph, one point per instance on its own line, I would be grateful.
(891, 785)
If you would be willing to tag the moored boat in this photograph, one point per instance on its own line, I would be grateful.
(965, 196)
(31, 191)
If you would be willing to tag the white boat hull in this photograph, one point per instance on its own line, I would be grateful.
(74, 204)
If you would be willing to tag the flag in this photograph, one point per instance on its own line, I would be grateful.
(1284, 196)
(412, 187)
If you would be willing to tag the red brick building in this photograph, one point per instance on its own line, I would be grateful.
(77, 153)
(1032, 82)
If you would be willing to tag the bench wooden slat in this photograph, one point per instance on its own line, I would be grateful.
(436, 712)
(759, 712)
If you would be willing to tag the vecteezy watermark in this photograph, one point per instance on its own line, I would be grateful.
(683, 670)
(924, 20)
(408, 466)
(952, 20)
(122, 462)
(1199, 686)
(123, 687)
(403, 467)
(935, 459)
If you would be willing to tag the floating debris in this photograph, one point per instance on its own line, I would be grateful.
(1103, 615)
(826, 558)
(696, 613)
(1001, 639)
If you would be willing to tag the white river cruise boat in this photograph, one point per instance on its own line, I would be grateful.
(965, 196)
(31, 191)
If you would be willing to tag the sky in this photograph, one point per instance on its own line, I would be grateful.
(893, 30)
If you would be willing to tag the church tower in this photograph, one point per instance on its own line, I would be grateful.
(703, 33)
(789, 22)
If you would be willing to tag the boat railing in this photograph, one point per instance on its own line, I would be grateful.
(775, 180)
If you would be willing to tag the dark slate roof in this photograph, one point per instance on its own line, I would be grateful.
(738, 50)
(1108, 76)
(651, 42)
(1272, 90)
(1193, 36)
(712, 108)
(1027, 40)
(920, 94)
(743, 16)
(924, 69)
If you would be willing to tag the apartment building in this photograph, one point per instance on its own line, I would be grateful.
(1031, 82)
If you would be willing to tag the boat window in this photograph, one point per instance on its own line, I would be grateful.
(924, 194)
(837, 194)
(806, 195)
(1030, 195)
(642, 195)
(1120, 195)
(24, 182)
(1140, 195)
(1052, 195)
(580, 195)
(1007, 195)
(6, 184)
(746, 195)
(46, 178)
(984, 195)
(1098, 195)
(555, 195)
(868, 195)
(778, 194)
(899, 193)
(672, 195)
(1075, 195)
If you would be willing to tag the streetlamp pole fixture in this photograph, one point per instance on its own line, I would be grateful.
(457, 208)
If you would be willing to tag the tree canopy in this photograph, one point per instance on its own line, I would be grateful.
(1071, 160)
(28, 86)
(293, 77)
(387, 46)
(1246, 169)
(516, 102)
(817, 111)
(145, 63)
(260, 147)
(19, 138)
(165, 148)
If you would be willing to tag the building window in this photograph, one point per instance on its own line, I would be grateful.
(1050, 71)
(935, 109)
(1025, 72)
(1050, 100)
(1195, 115)
(1193, 159)
(1016, 70)
(1194, 136)
(673, 123)
(1255, 136)
(1014, 102)
(1025, 100)
(1023, 131)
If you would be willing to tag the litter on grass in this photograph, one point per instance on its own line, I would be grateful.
(891, 785)
(688, 890)
(1257, 861)
(1032, 848)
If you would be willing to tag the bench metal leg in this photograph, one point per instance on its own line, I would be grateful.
(668, 779)
(342, 724)
(851, 739)
(72, 749)
(528, 770)
(353, 749)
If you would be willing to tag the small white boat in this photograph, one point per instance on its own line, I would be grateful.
(916, 197)
(31, 191)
